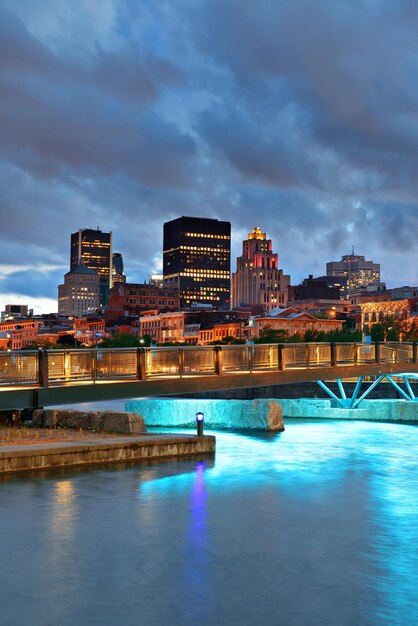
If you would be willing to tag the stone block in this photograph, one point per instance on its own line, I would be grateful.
(107, 421)
(260, 414)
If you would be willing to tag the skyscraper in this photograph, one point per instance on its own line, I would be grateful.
(358, 272)
(94, 248)
(117, 268)
(197, 260)
(258, 279)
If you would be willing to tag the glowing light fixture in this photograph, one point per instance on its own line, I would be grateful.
(200, 418)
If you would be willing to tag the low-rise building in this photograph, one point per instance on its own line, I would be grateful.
(89, 330)
(15, 311)
(18, 334)
(220, 331)
(290, 321)
(135, 298)
(163, 327)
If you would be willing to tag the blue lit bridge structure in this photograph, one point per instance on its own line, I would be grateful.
(31, 379)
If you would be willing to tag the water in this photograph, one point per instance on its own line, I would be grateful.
(314, 526)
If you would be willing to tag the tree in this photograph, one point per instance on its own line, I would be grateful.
(389, 329)
(271, 335)
(123, 340)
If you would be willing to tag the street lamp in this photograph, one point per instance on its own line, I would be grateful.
(200, 418)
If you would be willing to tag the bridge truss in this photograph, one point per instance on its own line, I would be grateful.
(345, 401)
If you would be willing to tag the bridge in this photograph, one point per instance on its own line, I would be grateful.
(31, 379)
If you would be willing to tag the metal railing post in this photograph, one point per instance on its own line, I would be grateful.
(141, 373)
(94, 364)
(250, 357)
(217, 355)
(307, 355)
(181, 361)
(43, 370)
(333, 354)
(376, 352)
(281, 359)
(414, 352)
(355, 354)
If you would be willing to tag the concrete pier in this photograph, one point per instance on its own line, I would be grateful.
(53, 455)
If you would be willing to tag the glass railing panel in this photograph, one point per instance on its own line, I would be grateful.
(199, 360)
(319, 354)
(265, 356)
(116, 363)
(294, 355)
(70, 365)
(366, 353)
(345, 354)
(235, 358)
(18, 368)
(387, 354)
(162, 361)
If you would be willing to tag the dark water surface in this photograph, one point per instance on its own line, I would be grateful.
(317, 525)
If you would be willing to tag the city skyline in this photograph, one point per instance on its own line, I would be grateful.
(125, 119)
(49, 305)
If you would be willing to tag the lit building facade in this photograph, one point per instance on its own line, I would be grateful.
(19, 334)
(94, 248)
(80, 293)
(258, 279)
(358, 272)
(220, 331)
(404, 313)
(197, 260)
(164, 327)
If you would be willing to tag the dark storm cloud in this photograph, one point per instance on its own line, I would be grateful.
(67, 119)
(355, 96)
(299, 117)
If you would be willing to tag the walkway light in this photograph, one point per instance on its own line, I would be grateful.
(200, 418)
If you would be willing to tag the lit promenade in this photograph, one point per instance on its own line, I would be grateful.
(41, 378)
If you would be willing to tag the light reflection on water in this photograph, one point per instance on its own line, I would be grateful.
(316, 525)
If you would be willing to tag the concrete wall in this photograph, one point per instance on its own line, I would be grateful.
(262, 414)
(255, 414)
(370, 410)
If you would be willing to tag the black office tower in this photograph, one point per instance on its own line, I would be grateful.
(197, 260)
(94, 248)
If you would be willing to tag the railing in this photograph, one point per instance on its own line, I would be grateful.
(53, 367)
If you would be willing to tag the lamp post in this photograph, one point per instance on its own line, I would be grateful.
(199, 423)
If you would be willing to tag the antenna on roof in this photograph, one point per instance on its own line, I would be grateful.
(352, 251)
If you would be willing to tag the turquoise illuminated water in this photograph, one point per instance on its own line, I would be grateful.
(317, 525)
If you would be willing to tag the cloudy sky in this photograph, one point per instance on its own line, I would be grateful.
(300, 117)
